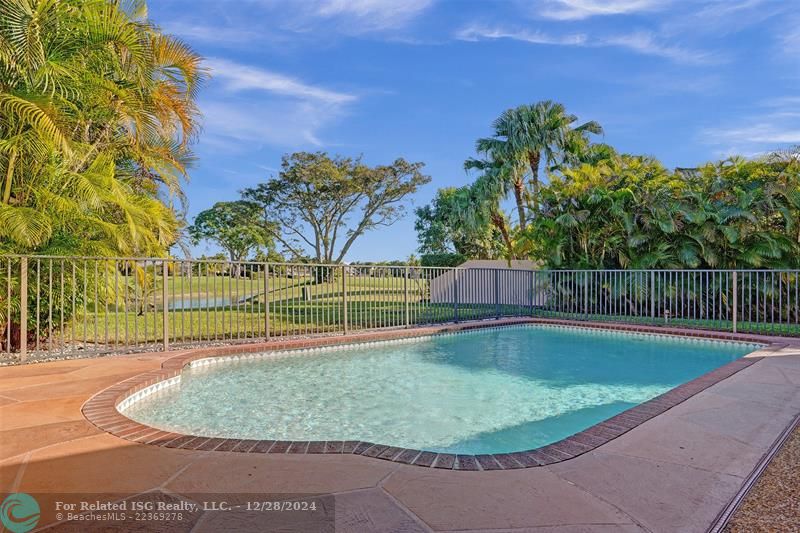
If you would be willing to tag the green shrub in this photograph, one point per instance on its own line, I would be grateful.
(442, 260)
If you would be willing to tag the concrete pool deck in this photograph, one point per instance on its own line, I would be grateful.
(674, 472)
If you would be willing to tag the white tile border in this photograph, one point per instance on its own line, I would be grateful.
(147, 391)
(614, 332)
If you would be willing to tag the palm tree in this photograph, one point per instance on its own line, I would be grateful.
(501, 151)
(478, 204)
(548, 133)
(97, 114)
(97, 111)
(528, 134)
(630, 212)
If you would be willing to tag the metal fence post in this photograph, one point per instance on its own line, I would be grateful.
(164, 302)
(455, 295)
(344, 299)
(266, 301)
(652, 296)
(532, 275)
(405, 298)
(23, 308)
(586, 295)
(735, 294)
(497, 293)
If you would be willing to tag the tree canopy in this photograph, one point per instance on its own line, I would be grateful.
(235, 226)
(441, 230)
(602, 209)
(522, 138)
(631, 212)
(319, 205)
(97, 115)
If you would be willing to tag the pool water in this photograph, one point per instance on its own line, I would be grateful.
(485, 391)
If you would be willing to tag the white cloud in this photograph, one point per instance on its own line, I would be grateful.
(478, 33)
(582, 9)
(237, 77)
(349, 16)
(376, 13)
(774, 125)
(721, 17)
(741, 13)
(242, 125)
(641, 42)
(212, 34)
(277, 110)
(719, 9)
(646, 43)
(757, 133)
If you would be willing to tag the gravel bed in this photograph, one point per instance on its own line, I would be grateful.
(773, 504)
(79, 352)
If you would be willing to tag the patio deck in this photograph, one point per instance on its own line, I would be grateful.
(674, 472)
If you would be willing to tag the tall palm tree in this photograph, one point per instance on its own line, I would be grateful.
(528, 134)
(548, 133)
(500, 150)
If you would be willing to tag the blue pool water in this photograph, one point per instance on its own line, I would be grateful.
(488, 391)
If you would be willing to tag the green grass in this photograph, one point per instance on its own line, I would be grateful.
(187, 288)
(296, 306)
(249, 321)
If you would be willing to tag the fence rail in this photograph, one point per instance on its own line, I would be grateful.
(88, 304)
(122, 304)
(751, 301)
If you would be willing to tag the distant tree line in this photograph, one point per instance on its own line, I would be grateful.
(313, 210)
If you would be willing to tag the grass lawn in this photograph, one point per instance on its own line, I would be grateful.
(249, 320)
(220, 308)
(207, 308)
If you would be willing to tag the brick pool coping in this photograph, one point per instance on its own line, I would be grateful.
(101, 409)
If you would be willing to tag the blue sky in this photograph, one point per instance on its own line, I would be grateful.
(685, 81)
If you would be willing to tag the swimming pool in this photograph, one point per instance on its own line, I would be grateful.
(479, 392)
